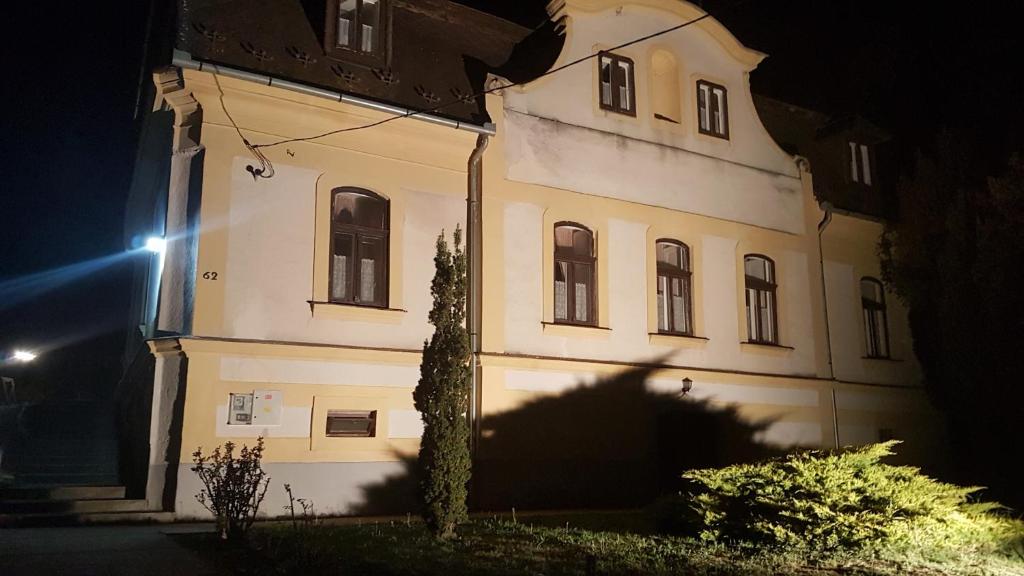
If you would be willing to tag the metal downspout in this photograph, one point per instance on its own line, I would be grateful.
(474, 296)
(825, 221)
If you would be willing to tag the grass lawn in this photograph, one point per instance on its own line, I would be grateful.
(583, 544)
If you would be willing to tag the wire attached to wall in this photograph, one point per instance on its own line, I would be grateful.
(266, 167)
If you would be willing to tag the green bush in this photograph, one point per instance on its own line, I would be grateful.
(845, 500)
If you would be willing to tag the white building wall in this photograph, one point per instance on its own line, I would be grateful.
(567, 96)
(628, 339)
(556, 134)
(583, 160)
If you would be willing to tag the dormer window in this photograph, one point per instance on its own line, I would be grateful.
(357, 29)
(860, 163)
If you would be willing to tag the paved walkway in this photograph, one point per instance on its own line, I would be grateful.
(98, 551)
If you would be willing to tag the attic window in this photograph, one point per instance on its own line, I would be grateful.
(712, 109)
(860, 163)
(357, 28)
(616, 85)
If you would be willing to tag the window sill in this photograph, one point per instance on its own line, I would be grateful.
(881, 358)
(576, 331)
(766, 349)
(676, 340)
(351, 312)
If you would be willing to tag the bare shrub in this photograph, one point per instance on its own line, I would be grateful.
(233, 487)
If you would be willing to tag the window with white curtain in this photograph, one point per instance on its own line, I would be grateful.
(359, 248)
(574, 275)
(674, 288)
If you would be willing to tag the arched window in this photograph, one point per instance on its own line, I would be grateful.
(762, 323)
(575, 281)
(674, 292)
(876, 329)
(359, 247)
(665, 86)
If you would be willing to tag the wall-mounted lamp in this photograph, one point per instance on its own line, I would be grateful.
(23, 356)
(156, 244)
(687, 386)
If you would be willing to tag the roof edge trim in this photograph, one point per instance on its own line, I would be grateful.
(183, 59)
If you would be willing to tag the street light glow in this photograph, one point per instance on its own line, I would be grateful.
(24, 356)
(156, 244)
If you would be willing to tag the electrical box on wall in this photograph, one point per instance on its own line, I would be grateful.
(240, 409)
(260, 408)
(266, 408)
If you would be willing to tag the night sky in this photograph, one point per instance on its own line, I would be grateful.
(69, 134)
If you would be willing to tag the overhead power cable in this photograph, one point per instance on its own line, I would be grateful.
(266, 169)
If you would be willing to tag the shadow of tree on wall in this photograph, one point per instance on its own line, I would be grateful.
(612, 443)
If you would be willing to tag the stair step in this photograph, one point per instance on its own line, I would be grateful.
(62, 519)
(71, 506)
(65, 467)
(63, 493)
(65, 479)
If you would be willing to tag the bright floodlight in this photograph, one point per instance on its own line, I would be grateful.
(156, 244)
(24, 356)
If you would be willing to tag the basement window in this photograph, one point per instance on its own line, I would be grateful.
(351, 423)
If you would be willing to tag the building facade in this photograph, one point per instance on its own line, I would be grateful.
(655, 282)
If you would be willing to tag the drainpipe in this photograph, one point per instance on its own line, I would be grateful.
(825, 221)
(474, 296)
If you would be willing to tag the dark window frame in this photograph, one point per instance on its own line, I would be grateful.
(380, 56)
(616, 104)
(872, 332)
(761, 286)
(571, 259)
(358, 233)
(856, 160)
(711, 107)
(369, 416)
(684, 275)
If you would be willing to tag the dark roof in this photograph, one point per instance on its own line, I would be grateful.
(441, 51)
(824, 141)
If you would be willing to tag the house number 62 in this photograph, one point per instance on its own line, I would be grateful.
(209, 275)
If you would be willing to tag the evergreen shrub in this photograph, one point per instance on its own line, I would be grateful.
(442, 396)
(838, 501)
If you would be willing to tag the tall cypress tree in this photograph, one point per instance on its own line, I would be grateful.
(442, 396)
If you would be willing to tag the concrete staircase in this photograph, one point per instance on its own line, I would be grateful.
(65, 470)
(72, 505)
